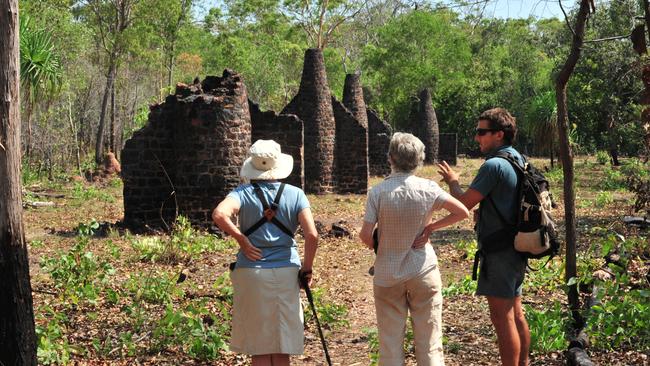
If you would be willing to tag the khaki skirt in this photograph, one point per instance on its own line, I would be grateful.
(267, 314)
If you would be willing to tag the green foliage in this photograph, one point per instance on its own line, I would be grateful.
(621, 319)
(555, 176)
(372, 334)
(637, 175)
(603, 199)
(82, 192)
(40, 67)
(184, 243)
(602, 157)
(331, 315)
(77, 273)
(465, 286)
(156, 288)
(53, 346)
(547, 327)
(195, 329)
(545, 277)
(613, 179)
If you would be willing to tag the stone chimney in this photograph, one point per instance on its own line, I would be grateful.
(313, 105)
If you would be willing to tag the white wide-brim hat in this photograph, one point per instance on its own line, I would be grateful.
(266, 162)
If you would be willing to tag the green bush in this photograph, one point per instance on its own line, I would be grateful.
(602, 157)
(159, 288)
(604, 198)
(547, 327)
(465, 286)
(81, 192)
(78, 274)
(53, 347)
(621, 319)
(184, 243)
(330, 314)
(613, 179)
(198, 332)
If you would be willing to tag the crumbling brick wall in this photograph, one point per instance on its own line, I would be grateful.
(193, 145)
(313, 106)
(351, 158)
(379, 134)
(285, 129)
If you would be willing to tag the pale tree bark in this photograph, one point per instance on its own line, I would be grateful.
(566, 154)
(17, 335)
(112, 43)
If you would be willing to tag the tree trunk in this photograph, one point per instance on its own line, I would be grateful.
(551, 152)
(17, 335)
(566, 155)
(170, 69)
(28, 117)
(645, 77)
(110, 79)
(612, 137)
(113, 119)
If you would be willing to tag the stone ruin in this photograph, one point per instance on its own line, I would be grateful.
(423, 123)
(379, 134)
(285, 129)
(187, 158)
(313, 106)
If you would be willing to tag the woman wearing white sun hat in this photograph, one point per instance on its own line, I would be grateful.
(267, 315)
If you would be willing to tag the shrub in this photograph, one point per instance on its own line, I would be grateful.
(602, 157)
(547, 327)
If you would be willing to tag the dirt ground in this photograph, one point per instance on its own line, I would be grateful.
(341, 270)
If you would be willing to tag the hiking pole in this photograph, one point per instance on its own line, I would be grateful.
(305, 285)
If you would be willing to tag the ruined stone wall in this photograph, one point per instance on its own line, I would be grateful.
(424, 124)
(148, 168)
(351, 158)
(379, 134)
(286, 130)
(313, 106)
(448, 148)
(194, 144)
(353, 98)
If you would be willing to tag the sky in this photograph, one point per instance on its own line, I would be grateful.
(526, 8)
(494, 8)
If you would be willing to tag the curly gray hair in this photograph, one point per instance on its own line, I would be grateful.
(406, 152)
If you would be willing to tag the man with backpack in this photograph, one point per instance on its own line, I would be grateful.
(502, 268)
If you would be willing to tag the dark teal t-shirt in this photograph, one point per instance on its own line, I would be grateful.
(498, 179)
(278, 248)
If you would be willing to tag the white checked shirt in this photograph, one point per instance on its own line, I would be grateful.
(402, 205)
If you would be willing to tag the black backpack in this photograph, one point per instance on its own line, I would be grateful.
(534, 234)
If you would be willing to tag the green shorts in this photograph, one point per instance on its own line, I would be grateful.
(501, 274)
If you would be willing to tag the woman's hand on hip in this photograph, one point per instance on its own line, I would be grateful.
(422, 239)
(250, 251)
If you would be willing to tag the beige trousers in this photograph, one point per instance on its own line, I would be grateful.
(422, 297)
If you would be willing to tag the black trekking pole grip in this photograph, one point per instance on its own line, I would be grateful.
(305, 284)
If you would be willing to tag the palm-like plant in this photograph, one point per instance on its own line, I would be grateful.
(543, 115)
(40, 69)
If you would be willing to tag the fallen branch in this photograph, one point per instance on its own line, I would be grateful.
(37, 204)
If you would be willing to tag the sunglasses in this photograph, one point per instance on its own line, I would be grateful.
(483, 131)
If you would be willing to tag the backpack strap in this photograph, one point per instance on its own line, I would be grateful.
(268, 212)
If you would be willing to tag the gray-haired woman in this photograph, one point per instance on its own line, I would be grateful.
(267, 315)
(406, 275)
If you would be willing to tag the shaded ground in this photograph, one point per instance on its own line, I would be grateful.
(341, 272)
